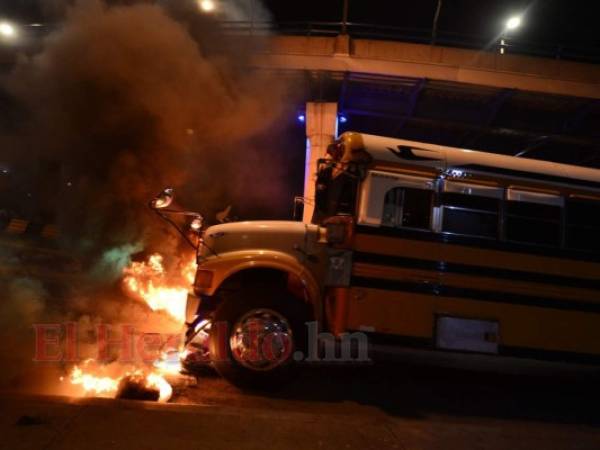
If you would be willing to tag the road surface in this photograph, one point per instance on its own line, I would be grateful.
(385, 406)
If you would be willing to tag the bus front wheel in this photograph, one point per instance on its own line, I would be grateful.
(257, 336)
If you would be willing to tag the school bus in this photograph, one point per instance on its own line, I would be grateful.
(416, 245)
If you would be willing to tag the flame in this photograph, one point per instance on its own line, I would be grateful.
(93, 384)
(98, 385)
(148, 281)
(154, 380)
(170, 362)
(161, 291)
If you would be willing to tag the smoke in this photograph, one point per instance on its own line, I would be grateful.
(120, 101)
(23, 303)
(129, 99)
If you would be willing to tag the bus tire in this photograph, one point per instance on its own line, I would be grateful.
(256, 335)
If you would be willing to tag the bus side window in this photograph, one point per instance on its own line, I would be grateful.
(394, 200)
(407, 207)
(471, 210)
(583, 224)
(533, 217)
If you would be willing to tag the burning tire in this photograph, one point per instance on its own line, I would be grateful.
(257, 334)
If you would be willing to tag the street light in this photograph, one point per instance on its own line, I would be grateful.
(513, 23)
(207, 5)
(7, 30)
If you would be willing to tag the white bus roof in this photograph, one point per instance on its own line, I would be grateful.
(447, 159)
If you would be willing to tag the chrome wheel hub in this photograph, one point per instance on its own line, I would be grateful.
(261, 340)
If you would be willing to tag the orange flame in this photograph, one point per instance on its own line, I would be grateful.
(148, 281)
(93, 384)
(170, 362)
(105, 386)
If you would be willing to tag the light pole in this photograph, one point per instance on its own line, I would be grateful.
(251, 17)
(511, 24)
(345, 18)
(436, 17)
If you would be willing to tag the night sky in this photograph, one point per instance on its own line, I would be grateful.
(573, 22)
(548, 21)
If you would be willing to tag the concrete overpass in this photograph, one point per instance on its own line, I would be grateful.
(400, 59)
(504, 103)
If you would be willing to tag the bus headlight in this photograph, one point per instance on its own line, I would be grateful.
(204, 278)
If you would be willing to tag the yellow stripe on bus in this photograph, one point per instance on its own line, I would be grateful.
(410, 314)
(434, 251)
(475, 282)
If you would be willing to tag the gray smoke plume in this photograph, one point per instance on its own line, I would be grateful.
(120, 101)
(127, 99)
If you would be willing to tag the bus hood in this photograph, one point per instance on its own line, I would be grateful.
(285, 236)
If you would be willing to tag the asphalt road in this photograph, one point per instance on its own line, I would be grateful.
(395, 406)
(419, 392)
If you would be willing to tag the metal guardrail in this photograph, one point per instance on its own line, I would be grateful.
(567, 51)
(28, 249)
(17, 226)
(572, 52)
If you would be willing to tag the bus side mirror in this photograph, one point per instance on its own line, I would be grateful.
(298, 212)
(164, 199)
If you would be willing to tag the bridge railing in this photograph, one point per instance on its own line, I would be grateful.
(574, 52)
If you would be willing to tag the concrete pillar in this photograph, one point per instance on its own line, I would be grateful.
(342, 45)
(321, 130)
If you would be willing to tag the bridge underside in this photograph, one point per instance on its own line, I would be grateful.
(516, 113)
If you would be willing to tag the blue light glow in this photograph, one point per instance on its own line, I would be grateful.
(301, 118)
(342, 119)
